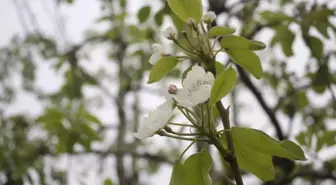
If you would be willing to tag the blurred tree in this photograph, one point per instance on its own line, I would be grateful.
(69, 127)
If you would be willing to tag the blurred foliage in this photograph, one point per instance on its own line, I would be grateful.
(67, 126)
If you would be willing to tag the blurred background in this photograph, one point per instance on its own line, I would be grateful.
(73, 89)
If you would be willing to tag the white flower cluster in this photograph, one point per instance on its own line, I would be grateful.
(196, 88)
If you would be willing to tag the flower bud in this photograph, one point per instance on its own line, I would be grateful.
(168, 129)
(209, 17)
(191, 21)
(160, 133)
(172, 89)
(169, 33)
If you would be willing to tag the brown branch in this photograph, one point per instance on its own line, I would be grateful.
(231, 158)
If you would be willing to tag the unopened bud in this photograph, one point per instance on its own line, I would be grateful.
(168, 129)
(172, 89)
(191, 21)
(169, 33)
(209, 17)
(160, 133)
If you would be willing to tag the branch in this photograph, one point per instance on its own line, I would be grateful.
(248, 83)
(231, 158)
(317, 175)
(307, 172)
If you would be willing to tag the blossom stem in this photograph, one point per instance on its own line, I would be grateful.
(193, 114)
(185, 49)
(185, 150)
(184, 138)
(188, 112)
(218, 51)
(201, 114)
(181, 124)
(209, 119)
(186, 134)
(203, 28)
(188, 117)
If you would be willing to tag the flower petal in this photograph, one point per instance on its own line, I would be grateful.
(183, 97)
(209, 78)
(156, 120)
(201, 95)
(196, 74)
(154, 58)
(157, 48)
(169, 33)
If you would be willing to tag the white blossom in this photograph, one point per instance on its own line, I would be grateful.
(157, 55)
(196, 87)
(169, 33)
(156, 120)
(209, 17)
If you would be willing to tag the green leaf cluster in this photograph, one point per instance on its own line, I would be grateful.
(70, 127)
(240, 50)
(254, 150)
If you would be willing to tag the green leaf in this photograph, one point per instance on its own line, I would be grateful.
(162, 68)
(197, 168)
(219, 68)
(284, 2)
(144, 13)
(254, 150)
(286, 39)
(322, 27)
(301, 138)
(185, 73)
(275, 17)
(321, 79)
(255, 162)
(108, 182)
(223, 85)
(326, 138)
(158, 17)
(316, 46)
(186, 9)
(318, 15)
(293, 149)
(220, 31)
(248, 60)
(179, 24)
(237, 42)
(178, 174)
(301, 99)
(263, 143)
